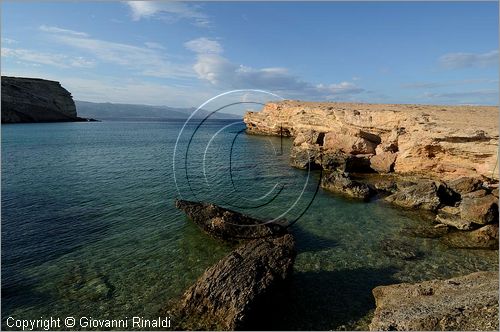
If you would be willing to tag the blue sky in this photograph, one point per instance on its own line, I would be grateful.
(182, 53)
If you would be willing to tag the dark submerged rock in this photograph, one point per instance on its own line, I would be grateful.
(465, 303)
(425, 231)
(399, 249)
(229, 294)
(226, 224)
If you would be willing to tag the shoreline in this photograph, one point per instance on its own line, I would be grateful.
(413, 156)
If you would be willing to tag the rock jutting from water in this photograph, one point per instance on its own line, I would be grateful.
(466, 303)
(36, 100)
(229, 295)
(229, 225)
(440, 159)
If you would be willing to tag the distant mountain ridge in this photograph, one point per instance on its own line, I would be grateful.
(112, 111)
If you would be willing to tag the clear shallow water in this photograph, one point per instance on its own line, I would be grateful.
(89, 227)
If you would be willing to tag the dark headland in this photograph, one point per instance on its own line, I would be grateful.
(27, 100)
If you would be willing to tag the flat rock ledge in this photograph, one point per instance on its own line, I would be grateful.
(467, 303)
(229, 225)
(229, 294)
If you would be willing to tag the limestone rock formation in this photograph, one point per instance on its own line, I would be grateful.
(230, 293)
(480, 210)
(340, 182)
(447, 142)
(226, 224)
(36, 100)
(466, 303)
(423, 195)
(383, 162)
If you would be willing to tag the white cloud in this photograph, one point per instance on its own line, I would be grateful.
(52, 59)
(469, 60)
(142, 60)
(169, 11)
(52, 29)
(204, 45)
(222, 73)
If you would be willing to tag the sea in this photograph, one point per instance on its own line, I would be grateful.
(89, 227)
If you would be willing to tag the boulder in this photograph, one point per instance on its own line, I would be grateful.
(383, 162)
(465, 184)
(304, 156)
(340, 183)
(465, 303)
(309, 137)
(485, 237)
(226, 224)
(475, 194)
(423, 195)
(454, 220)
(351, 141)
(230, 293)
(480, 210)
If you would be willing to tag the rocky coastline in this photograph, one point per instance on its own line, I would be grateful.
(414, 160)
(441, 159)
(27, 100)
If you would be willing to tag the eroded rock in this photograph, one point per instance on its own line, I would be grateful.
(340, 183)
(465, 184)
(423, 195)
(465, 303)
(351, 141)
(226, 224)
(480, 210)
(228, 295)
(383, 162)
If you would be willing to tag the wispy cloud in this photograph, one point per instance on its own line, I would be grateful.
(169, 11)
(142, 60)
(469, 60)
(432, 85)
(51, 59)
(9, 41)
(212, 67)
(53, 29)
(204, 45)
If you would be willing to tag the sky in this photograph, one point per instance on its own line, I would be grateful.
(182, 53)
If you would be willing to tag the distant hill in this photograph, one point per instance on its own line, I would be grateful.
(136, 112)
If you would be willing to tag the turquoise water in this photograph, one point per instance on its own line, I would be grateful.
(89, 227)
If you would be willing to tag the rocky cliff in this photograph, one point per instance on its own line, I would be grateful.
(441, 159)
(445, 142)
(36, 100)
